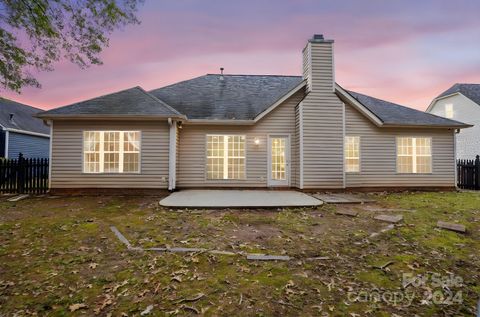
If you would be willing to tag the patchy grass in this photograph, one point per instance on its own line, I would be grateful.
(58, 252)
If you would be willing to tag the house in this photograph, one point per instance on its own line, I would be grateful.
(250, 131)
(21, 132)
(461, 102)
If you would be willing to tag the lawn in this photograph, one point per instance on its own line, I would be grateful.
(59, 257)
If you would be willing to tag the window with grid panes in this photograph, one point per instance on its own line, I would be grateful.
(352, 154)
(225, 157)
(111, 151)
(414, 155)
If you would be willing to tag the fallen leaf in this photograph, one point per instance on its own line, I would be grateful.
(192, 299)
(75, 307)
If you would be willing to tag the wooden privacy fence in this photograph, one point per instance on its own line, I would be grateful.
(468, 174)
(24, 175)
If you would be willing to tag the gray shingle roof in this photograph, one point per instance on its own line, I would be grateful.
(133, 101)
(392, 114)
(240, 97)
(22, 117)
(471, 91)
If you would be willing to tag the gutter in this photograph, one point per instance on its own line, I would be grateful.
(108, 117)
(465, 126)
(26, 132)
(219, 122)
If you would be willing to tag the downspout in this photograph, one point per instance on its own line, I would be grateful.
(455, 132)
(7, 137)
(343, 146)
(50, 161)
(172, 155)
(300, 127)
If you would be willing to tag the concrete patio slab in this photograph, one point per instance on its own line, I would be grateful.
(238, 199)
(343, 198)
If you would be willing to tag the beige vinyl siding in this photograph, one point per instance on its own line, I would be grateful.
(322, 123)
(192, 148)
(67, 156)
(378, 155)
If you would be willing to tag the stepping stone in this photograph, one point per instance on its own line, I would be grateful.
(390, 218)
(121, 237)
(452, 226)
(351, 213)
(265, 257)
(186, 250)
(387, 228)
(343, 198)
(158, 249)
(222, 252)
(318, 258)
(19, 197)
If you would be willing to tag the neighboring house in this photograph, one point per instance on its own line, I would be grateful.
(254, 131)
(461, 102)
(21, 132)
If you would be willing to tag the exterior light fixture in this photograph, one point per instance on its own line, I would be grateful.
(256, 141)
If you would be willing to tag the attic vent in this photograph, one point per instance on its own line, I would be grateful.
(11, 117)
(221, 73)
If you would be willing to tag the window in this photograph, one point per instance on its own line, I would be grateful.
(225, 156)
(414, 155)
(449, 110)
(352, 154)
(111, 151)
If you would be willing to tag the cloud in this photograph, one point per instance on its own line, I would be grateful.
(404, 51)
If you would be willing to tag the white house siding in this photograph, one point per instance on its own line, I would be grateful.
(322, 121)
(191, 169)
(378, 155)
(67, 155)
(467, 111)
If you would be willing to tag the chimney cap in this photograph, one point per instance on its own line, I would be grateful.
(319, 38)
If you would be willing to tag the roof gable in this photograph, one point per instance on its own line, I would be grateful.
(23, 117)
(227, 97)
(471, 91)
(129, 102)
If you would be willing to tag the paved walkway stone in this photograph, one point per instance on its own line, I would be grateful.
(452, 226)
(351, 213)
(265, 257)
(389, 218)
(18, 198)
(343, 198)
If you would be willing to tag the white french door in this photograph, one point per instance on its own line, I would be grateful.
(278, 160)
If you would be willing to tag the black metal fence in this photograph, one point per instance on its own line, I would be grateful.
(24, 175)
(468, 174)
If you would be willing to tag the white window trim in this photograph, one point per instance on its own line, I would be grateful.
(120, 150)
(359, 154)
(225, 158)
(414, 155)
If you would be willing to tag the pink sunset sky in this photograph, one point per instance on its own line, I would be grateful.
(402, 51)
